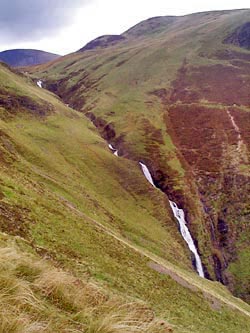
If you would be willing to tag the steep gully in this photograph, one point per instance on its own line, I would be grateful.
(107, 131)
(173, 271)
(178, 214)
(159, 264)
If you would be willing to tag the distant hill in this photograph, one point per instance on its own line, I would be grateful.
(26, 57)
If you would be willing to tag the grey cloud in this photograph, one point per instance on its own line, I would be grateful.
(27, 20)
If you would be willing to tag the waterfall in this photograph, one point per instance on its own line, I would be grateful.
(180, 216)
(40, 83)
(147, 173)
(115, 152)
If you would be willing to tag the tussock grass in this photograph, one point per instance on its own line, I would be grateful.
(128, 318)
(37, 297)
(19, 306)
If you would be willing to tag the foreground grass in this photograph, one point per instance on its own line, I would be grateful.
(37, 297)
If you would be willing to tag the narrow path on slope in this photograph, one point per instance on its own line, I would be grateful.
(237, 130)
(173, 271)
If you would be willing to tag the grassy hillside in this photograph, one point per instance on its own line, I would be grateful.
(67, 198)
(175, 94)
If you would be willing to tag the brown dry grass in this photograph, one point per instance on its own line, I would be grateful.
(36, 297)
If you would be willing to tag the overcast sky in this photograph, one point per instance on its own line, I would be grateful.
(64, 26)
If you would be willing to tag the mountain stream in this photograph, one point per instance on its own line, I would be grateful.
(180, 217)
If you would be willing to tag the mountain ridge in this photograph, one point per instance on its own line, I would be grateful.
(148, 26)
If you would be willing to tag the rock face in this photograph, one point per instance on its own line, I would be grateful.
(240, 37)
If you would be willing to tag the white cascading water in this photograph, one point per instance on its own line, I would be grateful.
(147, 174)
(115, 152)
(40, 83)
(180, 216)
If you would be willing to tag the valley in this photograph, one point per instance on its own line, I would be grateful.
(170, 90)
(125, 166)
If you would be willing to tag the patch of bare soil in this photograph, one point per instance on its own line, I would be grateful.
(14, 219)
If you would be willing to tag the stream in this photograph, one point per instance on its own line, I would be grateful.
(115, 152)
(40, 83)
(180, 217)
(178, 214)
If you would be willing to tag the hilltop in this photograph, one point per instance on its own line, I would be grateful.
(26, 57)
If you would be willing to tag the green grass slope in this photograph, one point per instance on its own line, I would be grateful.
(95, 216)
(171, 95)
